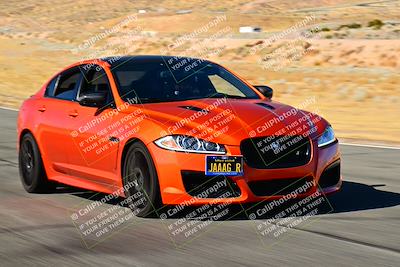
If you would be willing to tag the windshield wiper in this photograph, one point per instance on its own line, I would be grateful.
(223, 95)
(217, 95)
(151, 100)
(158, 100)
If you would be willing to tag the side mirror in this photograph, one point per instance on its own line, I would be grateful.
(265, 90)
(93, 99)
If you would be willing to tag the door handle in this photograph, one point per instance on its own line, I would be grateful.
(42, 109)
(113, 139)
(73, 113)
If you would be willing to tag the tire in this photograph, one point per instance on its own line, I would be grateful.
(140, 181)
(31, 169)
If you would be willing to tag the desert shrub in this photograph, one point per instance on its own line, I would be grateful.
(354, 26)
(316, 30)
(350, 26)
(376, 24)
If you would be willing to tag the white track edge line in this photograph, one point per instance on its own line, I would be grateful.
(7, 108)
(369, 145)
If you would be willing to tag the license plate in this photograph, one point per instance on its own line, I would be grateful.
(224, 165)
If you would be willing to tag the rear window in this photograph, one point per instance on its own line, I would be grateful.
(51, 86)
(67, 85)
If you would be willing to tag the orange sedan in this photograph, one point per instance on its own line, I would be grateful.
(171, 130)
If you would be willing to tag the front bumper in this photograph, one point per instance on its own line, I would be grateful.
(171, 165)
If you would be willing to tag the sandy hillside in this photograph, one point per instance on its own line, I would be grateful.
(345, 54)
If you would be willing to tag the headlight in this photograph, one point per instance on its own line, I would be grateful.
(190, 144)
(327, 137)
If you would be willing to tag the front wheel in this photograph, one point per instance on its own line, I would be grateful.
(140, 181)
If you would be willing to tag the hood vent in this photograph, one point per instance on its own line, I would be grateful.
(265, 105)
(193, 108)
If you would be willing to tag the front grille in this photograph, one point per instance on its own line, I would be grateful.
(281, 186)
(276, 152)
(199, 185)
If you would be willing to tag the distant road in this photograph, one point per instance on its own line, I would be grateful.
(362, 230)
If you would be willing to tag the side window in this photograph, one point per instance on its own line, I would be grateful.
(96, 81)
(67, 84)
(51, 86)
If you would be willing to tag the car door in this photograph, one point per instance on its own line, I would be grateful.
(93, 155)
(54, 110)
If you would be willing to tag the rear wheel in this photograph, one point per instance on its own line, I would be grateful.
(140, 181)
(31, 170)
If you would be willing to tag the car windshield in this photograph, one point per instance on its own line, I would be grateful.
(151, 82)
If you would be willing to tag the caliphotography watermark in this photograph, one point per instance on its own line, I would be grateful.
(101, 216)
(299, 204)
(191, 51)
(290, 45)
(99, 137)
(195, 217)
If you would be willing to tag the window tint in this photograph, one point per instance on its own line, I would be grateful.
(67, 85)
(50, 87)
(126, 77)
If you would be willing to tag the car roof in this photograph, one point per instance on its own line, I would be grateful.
(117, 60)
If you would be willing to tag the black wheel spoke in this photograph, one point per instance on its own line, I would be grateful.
(137, 173)
(32, 172)
(27, 161)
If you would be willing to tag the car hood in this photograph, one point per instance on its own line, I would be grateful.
(229, 121)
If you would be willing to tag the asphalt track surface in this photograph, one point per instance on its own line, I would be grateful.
(362, 230)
